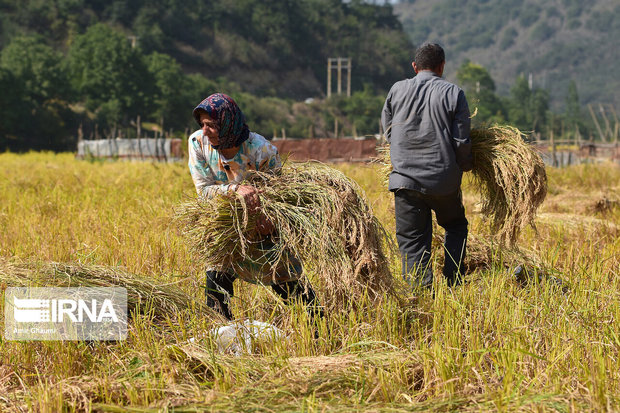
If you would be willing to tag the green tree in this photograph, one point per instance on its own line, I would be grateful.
(240, 47)
(528, 107)
(479, 88)
(37, 92)
(519, 109)
(38, 66)
(539, 109)
(110, 76)
(363, 109)
(14, 109)
(172, 104)
(573, 108)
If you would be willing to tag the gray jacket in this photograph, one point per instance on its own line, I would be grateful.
(426, 121)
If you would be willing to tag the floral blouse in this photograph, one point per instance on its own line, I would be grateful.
(213, 174)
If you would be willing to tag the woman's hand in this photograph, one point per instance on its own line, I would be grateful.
(250, 196)
(264, 226)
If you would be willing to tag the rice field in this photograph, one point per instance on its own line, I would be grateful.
(496, 343)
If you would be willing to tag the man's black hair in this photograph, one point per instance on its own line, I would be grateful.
(429, 56)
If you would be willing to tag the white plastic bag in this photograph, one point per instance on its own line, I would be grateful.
(239, 337)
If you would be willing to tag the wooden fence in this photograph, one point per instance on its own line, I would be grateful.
(563, 154)
(327, 150)
(167, 150)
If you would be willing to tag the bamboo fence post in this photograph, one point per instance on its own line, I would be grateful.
(598, 127)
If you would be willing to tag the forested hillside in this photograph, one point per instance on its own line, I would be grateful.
(555, 40)
(98, 68)
(276, 47)
(102, 68)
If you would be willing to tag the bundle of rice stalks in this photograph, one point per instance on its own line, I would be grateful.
(510, 175)
(143, 296)
(320, 216)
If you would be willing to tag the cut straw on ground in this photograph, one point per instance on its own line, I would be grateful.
(144, 295)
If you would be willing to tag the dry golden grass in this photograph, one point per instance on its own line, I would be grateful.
(492, 344)
(159, 300)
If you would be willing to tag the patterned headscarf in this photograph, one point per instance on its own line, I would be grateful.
(231, 121)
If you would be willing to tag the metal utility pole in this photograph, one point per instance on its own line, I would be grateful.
(339, 76)
(134, 40)
(338, 63)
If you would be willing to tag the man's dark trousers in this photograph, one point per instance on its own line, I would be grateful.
(414, 232)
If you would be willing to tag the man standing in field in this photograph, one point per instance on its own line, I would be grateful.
(426, 121)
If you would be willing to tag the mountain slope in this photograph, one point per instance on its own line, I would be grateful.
(553, 40)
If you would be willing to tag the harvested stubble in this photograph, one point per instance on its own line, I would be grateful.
(159, 301)
(483, 254)
(319, 215)
(510, 175)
